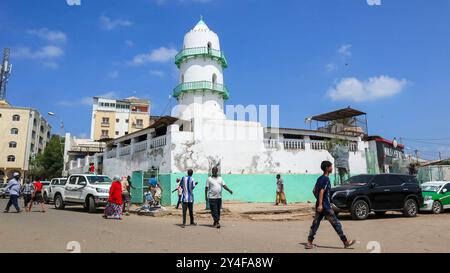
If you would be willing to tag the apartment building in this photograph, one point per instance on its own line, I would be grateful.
(115, 118)
(24, 133)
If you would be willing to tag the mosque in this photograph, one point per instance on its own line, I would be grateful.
(199, 135)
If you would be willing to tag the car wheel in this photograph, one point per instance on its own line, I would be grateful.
(410, 208)
(437, 207)
(59, 203)
(380, 213)
(91, 205)
(360, 210)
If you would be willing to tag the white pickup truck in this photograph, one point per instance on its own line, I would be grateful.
(89, 190)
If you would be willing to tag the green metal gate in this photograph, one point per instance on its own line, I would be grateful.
(139, 180)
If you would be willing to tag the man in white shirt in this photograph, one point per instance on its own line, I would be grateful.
(213, 190)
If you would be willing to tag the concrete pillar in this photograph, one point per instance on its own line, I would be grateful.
(307, 140)
(132, 145)
(119, 147)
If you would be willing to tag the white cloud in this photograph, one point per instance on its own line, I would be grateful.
(157, 73)
(330, 66)
(344, 50)
(340, 58)
(51, 65)
(46, 52)
(160, 55)
(88, 101)
(129, 43)
(353, 89)
(111, 24)
(49, 35)
(113, 74)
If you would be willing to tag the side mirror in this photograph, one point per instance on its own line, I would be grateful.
(82, 184)
(373, 185)
(444, 190)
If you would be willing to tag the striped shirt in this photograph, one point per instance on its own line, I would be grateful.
(28, 188)
(187, 185)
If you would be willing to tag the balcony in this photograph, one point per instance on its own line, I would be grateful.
(105, 124)
(200, 86)
(202, 52)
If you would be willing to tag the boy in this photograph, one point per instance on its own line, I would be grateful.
(187, 185)
(323, 207)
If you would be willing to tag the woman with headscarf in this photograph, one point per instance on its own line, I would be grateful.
(113, 209)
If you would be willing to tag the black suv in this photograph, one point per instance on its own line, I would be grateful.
(362, 194)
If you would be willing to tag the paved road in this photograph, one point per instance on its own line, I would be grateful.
(51, 231)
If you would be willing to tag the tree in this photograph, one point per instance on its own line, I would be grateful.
(50, 163)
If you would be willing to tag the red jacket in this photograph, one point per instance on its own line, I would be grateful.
(115, 193)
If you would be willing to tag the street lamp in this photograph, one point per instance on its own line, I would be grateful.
(60, 120)
(51, 114)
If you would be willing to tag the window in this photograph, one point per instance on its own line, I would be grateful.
(73, 180)
(214, 78)
(105, 121)
(11, 158)
(117, 120)
(81, 179)
(127, 121)
(117, 133)
(14, 131)
(396, 180)
(209, 45)
(105, 133)
(12, 144)
(139, 123)
(126, 133)
(447, 187)
(380, 180)
(16, 118)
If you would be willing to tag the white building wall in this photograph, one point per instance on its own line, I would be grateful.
(201, 69)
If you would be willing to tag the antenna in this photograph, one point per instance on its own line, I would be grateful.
(5, 72)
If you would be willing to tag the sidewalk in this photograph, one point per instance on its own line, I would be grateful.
(249, 211)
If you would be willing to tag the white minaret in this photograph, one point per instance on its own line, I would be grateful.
(201, 93)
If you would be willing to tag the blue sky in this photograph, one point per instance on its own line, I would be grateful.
(309, 56)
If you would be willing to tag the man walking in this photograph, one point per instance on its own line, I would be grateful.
(324, 209)
(187, 185)
(281, 196)
(13, 187)
(179, 190)
(126, 194)
(27, 192)
(213, 191)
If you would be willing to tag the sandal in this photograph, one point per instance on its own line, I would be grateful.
(310, 246)
(348, 244)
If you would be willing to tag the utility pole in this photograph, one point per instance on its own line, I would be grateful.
(5, 72)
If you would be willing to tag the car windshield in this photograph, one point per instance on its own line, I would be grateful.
(99, 180)
(359, 179)
(430, 188)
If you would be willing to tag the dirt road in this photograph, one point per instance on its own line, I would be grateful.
(53, 230)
